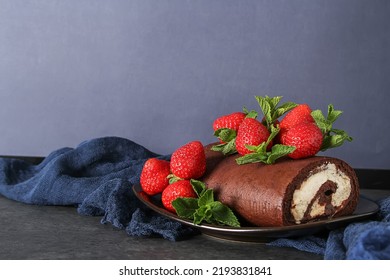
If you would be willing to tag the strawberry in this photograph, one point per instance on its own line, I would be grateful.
(231, 121)
(180, 188)
(189, 161)
(301, 113)
(154, 176)
(251, 132)
(306, 137)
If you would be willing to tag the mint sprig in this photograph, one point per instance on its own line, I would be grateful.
(228, 136)
(332, 137)
(204, 207)
(270, 109)
(260, 153)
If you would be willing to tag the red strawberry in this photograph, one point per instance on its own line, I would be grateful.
(250, 132)
(180, 188)
(231, 121)
(305, 137)
(189, 161)
(299, 114)
(154, 176)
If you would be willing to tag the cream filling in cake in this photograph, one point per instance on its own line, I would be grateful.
(304, 195)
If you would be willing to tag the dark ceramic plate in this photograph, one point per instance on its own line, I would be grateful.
(364, 210)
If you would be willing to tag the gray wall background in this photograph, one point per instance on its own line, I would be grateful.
(159, 72)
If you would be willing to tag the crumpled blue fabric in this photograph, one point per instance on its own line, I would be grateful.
(145, 223)
(96, 177)
(366, 240)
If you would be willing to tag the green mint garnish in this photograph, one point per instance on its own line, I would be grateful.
(228, 136)
(185, 207)
(260, 153)
(250, 114)
(332, 137)
(204, 207)
(270, 109)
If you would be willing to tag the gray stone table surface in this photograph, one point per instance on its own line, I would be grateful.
(56, 232)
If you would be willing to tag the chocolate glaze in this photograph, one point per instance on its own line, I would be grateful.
(262, 194)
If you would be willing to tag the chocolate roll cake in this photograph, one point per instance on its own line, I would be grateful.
(288, 192)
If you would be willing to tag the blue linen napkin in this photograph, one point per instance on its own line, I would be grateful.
(368, 240)
(96, 177)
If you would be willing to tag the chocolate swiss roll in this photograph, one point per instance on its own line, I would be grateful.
(288, 192)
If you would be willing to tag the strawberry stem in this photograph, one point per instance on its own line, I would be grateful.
(173, 178)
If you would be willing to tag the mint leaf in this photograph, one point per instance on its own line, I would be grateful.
(228, 148)
(323, 123)
(204, 208)
(264, 103)
(228, 136)
(270, 109)
(251, 158)
(284, 108)
(333, 114)
(199, 216)
(273, 101)
(225, 134)
(260, 153)
(185, 207)
(206, 197)
(276, 152)
(332, 137)
(279, 151)
(223, 214)
(273, 132)
(198, 186)
(203, 213)
(251, 114)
